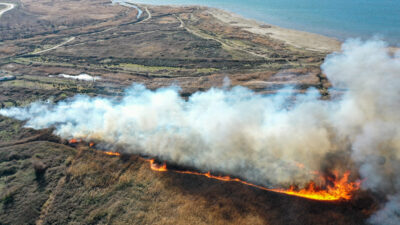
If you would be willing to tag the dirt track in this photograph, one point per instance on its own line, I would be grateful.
(55, 47)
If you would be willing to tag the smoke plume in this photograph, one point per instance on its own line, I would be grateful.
(271, 140)
(82, 77)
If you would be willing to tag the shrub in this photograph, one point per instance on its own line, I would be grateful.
(39, 167)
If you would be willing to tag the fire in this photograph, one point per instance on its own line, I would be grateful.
(112, 153)
(157, 167)
(73, 141)
(76, 141)
(209, 175)
(339, 188)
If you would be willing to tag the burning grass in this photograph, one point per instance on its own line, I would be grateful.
(145, 190)
(340, 189)
(334, 188)
(98, 188)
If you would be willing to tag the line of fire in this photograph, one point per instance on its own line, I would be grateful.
(336, 187)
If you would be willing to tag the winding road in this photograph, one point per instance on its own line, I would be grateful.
(52, 48)
(148, 15)
(9, 6)
(73, 38)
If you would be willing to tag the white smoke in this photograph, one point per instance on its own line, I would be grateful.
(390, 214)
(368, 116)
(260, 138)
(82, 77)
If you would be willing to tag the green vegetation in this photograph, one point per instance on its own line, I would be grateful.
(8, 198)
(9, 129)
(160, 69)
(41, 61)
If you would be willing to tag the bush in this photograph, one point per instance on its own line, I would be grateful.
(39, 167)
(8, 198)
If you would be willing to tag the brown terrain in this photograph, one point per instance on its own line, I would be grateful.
(44, 180)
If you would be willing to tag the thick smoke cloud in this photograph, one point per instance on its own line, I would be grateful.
(272, 140)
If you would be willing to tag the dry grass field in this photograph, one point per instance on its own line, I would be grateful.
(43, 180)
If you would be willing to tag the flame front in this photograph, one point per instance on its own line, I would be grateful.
(112, 153)
(73, 141)
(340, 189)
(157, 167)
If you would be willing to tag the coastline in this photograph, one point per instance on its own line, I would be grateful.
(310, 18)
(296, 38)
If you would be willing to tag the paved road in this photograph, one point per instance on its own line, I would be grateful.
(129, 3)
(148, 15)
(9, 6)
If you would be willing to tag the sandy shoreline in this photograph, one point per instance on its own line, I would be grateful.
(296, 38)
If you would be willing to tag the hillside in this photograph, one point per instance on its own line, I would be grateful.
(46, 180)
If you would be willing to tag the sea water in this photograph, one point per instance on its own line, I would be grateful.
(341, 19)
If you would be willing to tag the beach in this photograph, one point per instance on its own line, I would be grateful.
(339, 19)
(296, 38)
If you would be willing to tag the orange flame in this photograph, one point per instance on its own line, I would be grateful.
(157, 167)
(340, 189)
(91, 144)
(112, 153)
(73, 141)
